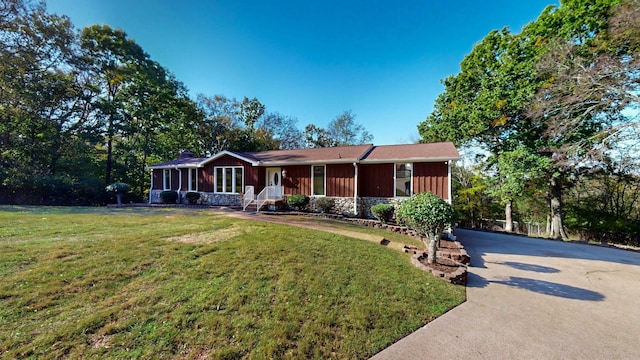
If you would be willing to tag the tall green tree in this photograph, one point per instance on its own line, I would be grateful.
(46, 133)
(114, 60)
(489, 101)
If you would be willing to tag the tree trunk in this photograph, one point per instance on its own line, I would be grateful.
(557, 228)
(433, 248)
(119, 198)
(508, 226)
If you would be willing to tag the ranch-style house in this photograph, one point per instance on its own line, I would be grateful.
(356, 177)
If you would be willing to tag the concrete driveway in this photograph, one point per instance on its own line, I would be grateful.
(536, 299)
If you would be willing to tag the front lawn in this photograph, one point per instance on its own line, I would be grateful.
(166, 283)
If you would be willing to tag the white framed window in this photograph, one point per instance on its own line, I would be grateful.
(318, 180)
(166, 179)
(229, 179)
(403, 177)
(193, 179)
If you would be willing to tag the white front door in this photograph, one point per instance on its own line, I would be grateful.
(274, 178)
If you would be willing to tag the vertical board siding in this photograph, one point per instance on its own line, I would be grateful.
(376, 180)
(158, 178)
(340, 180)
(432, 177)
(298, 180)
(175, 179)
(207, 175)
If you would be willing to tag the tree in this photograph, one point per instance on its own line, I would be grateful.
(120, 189)
(429, 215)
(317, 137)
(514, 171)
(489, 100)
(341, 131)
(114, 60)
(46, 134)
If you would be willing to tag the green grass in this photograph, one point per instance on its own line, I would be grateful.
(167, 283)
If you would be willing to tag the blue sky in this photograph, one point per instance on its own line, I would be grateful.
(312, 60)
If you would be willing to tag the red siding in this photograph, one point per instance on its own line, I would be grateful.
(375, 180)
(207, 182)
(157, 179)
(431, 177)
(298, 180)
(340, 180)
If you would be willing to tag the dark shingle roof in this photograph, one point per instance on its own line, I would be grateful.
(424, 152)
(341, 154)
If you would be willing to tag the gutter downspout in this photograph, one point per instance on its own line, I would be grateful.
(355, 189)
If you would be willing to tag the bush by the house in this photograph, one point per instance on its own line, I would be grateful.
(169, 196)
(192, 197)
(383, 212)
(429, 215)
(324, 204)
(298, 201)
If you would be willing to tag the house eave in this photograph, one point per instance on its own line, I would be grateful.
(408, 160)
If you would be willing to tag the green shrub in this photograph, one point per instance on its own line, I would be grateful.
(383, 212)
(429, 215)
(324, 204)
(298, 201)
(169, 196)
(192, 197)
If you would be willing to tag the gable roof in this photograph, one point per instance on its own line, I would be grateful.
(334, 155)
(443, 151)
(367, 153)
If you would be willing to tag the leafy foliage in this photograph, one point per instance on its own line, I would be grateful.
(192, 197)
(429, 215)
(118, 187)
(169, 196)
(298, 201)
(324, 204)
(383, 212)
(426, 213)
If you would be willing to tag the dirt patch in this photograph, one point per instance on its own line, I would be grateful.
(211, 237)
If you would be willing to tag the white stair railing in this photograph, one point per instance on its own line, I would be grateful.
(248, 197)
(268, 193)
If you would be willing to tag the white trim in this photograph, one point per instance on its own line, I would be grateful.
(224, 184)
(407, 160)
(190, 179)
(226, 152)
(395, 180)
(164, 179)
(324, 172)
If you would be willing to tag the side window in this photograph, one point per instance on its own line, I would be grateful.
(403, 179)
(166, 183)
(318, 181)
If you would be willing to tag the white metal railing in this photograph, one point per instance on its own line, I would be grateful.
(248, 197)
(267, 194)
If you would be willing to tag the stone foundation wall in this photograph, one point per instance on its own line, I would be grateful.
(344, 205)
(206, 198)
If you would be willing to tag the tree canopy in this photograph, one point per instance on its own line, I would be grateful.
(557, 91)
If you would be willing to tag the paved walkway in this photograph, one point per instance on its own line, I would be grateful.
(536, 299)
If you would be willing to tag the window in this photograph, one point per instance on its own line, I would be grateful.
(229, 179)
(193, 179)
(318, 180)
(166, 182)
(403, 176)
